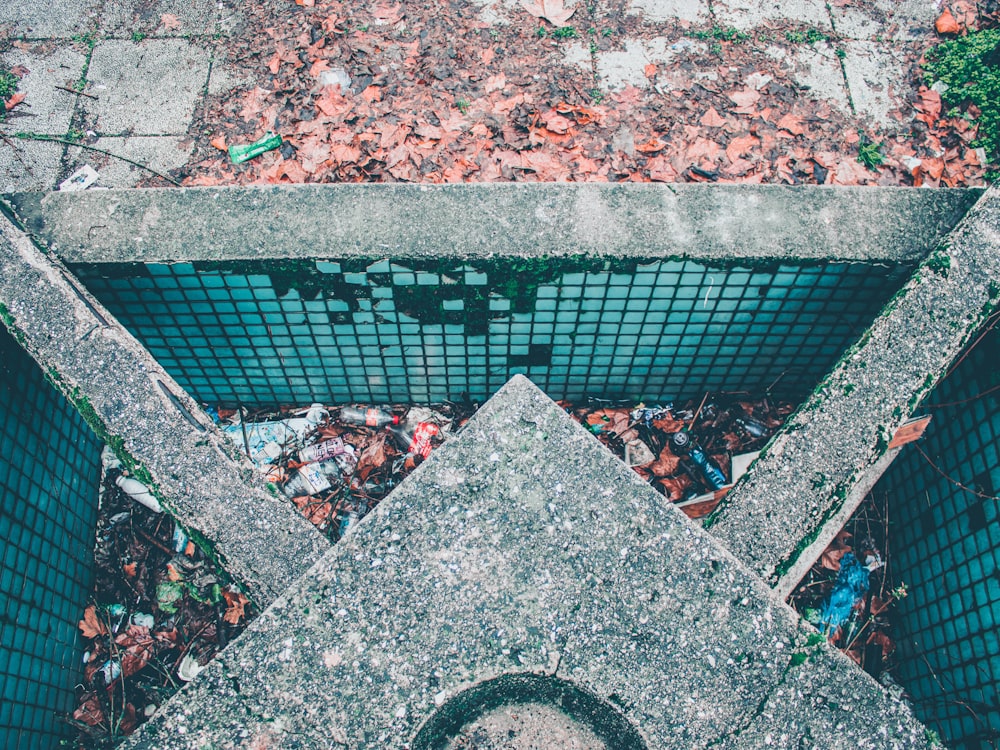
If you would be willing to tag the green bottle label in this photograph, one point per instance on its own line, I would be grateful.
(240, 154)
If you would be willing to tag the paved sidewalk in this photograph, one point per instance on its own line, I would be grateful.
(143, 69)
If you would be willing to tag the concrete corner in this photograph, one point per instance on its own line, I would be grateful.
(525, 562)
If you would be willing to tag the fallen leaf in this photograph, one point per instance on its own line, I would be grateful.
(90, 626)
(169, 22)
(745, 100)
(89, 711)
(792, 123)
(219, 142)
(650, 70)
(946, 23)
(235, 606)
(553, 11)
(305, 3)
(712, 119)
(130, 569)
(13, 101)
(651, 146)
(929, 106)
(740, 146)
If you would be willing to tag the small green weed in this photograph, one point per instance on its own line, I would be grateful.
(564, 32)
(841, 52)
(542, 32)
(8, 85)
(138, 36)
(869, 152)
(87, 39)
(594, 48)
(722, 34)
(596, 96)
(607, 32)
(809, 36)
(970, 67)
(463, 106)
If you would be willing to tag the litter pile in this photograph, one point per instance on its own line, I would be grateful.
(850, 592)
(161, 610)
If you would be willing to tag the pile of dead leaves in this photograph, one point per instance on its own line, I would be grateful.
(160, 611)
(415, 93)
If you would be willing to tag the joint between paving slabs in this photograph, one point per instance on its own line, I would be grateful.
(839, 51)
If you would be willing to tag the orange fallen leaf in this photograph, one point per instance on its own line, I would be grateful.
(130, 569)
(90, 626)
(235, 606)
(13, 101)
(712, 119)
(792, 123)
(650, 70)
(946, 23)
(219, 142)
(651, 146)
(553, 11)
(305, 3)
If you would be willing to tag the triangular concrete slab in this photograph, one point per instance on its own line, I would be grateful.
(524, 562)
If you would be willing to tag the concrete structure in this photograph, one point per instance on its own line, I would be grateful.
(524, 564)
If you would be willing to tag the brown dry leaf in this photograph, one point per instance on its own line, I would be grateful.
(650, 70)
(371, 457)
(651, 146)
(884, 641)
(137, 645)
(665, 465)
(169, 22)
(129, 569)
(90, 625)
(712, 119)
(946, 23)
(219, 142)
(929, 105)
(740, 146)
(305, 3)
(13, 101)
(792, 123)
(235, 606)
(89, 711)
(745, 100)
(553, 11)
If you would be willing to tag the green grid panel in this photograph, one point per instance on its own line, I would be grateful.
(284, 331)
(48, 508)
(945, 543)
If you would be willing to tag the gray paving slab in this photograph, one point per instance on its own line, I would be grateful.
(655, 11)
(876, 77)
(750, 14)
(145, 88)
(161, 153)
(898, 20)
(159, 17)
(619, 68)
(37, 20)
(46, 109)
(524, 560)
(816, 69)
(29, 165)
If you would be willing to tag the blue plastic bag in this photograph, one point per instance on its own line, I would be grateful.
(850, 586)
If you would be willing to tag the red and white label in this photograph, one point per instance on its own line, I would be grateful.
(371, 417)
(421, 443)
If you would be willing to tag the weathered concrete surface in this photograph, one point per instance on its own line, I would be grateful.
(156, 428)
(524, 546)
(785, 501)
(757, 223)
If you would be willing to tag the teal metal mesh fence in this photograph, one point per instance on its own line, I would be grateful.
(945, 544)
(48, 508)
(281, 331)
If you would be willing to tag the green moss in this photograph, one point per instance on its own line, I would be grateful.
(970, 68)
(799, 658)
(11, 324)
(940, 262)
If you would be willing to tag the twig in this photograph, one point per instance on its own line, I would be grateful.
(17, 154)
(695, 417)
(979, 395)
(153, 541)
(954, 481)
(74, 91)
(66, 141)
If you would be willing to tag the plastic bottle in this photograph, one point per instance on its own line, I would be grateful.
(415, 437)
(325, 450)
(682, 445)
(312, 479)
(368, 416)
(752, 427)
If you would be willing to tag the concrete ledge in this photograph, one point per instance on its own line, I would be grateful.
(784, 506)
(160, 433)
(524, 552)
(710, 222)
